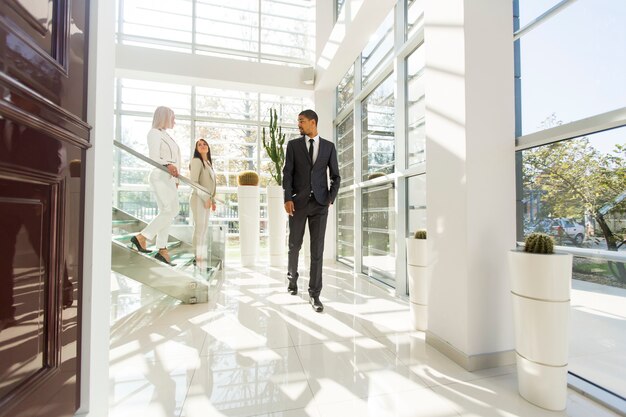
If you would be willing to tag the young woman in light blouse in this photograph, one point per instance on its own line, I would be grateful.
(164, 150)
(201, 203)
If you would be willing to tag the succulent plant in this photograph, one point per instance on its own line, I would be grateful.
(274, 147)
(248, 178)
(420, 234)
(539, 243)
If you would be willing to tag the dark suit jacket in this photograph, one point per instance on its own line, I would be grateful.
(299, 177)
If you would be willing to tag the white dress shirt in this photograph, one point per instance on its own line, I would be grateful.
(316, 145)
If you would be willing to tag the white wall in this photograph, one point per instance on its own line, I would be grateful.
(470, 172)
(97, 248)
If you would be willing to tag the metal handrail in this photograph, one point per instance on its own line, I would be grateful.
(162, 168)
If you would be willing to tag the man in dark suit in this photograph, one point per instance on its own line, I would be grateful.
(309, 160)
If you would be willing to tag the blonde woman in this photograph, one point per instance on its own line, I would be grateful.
(201, 203)
(164, 150)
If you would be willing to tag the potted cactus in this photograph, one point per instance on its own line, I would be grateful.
(540, 286)
(418, 271)
(249, 208)
(248, 178)
(274, 143)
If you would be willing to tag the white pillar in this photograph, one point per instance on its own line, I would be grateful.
(248, 204)
(94, 393)
(470, 148)
(277, 225)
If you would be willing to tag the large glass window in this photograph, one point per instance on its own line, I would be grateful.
(416, 108)
(345, 227)
(230, 121)
(141, 96)
(148, 23)
(378, 50)
(416, 203)
(530, 10)
(345, 200)
(378, 221)
(575, 190)
(345, 90)
(414, 16)
(254, 30)
(345, 150)
(378, 131)
(338, 7)
(571, 67)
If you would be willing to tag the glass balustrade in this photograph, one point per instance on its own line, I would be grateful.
(135, 205)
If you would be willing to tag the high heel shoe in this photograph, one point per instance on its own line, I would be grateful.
(161, 258)
(135, 242)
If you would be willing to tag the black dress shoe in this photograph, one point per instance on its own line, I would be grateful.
(317, 304)
(135, 242)
(292, 289)
(161, 258)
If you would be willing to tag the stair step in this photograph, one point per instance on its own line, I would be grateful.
(125, 238)
(126, 221)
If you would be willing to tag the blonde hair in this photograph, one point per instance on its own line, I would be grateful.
(162, 117)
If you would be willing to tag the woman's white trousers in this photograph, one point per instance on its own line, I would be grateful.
(164, 187)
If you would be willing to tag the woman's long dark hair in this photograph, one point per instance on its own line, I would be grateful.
(196, 154)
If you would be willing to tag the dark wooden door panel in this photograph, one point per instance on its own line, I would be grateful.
(39, 271)
(27, 281)
(43, 132)
(36, 19)
(51, 64)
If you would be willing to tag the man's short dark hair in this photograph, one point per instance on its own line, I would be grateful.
(309, 114)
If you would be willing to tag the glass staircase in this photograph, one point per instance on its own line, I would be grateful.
(188, 280)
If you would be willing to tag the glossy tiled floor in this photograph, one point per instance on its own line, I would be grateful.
(254, 350)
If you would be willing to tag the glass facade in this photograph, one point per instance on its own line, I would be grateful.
(230, 121)
(416, 197)
(378, 131)
(570, 170)
(368, 108)
(345, 90)
(378, 222)
(415, 108)
(255, 30)
(414, 16)
(571, 67)
(345, 151)
(378, 51)
(345, 227)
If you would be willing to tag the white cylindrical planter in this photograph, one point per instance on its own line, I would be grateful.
(540, 285)
(249, 222)
(277, 223)
(418, 271)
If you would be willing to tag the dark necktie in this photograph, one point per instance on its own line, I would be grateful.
(311, 142)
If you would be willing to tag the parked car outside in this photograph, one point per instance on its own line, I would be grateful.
(563, 228)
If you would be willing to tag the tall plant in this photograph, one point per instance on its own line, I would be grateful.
(274, 147)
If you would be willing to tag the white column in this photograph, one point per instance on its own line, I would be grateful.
(94, 393)
(277, 224)
(470, 148)
(248, 205)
